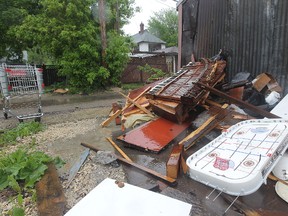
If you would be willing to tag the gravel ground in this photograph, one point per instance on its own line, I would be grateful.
(67, 125)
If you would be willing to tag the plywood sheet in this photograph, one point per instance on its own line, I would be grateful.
(153, 135)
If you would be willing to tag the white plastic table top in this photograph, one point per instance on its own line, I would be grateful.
(239, 160)
(108, 199)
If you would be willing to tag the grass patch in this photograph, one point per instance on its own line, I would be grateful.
(131, 86)
(22, 130)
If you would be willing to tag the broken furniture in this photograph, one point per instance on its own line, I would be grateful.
(239, 160)
(176, 96)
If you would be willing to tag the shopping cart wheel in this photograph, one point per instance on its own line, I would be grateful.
(37, 119)
(5, 115)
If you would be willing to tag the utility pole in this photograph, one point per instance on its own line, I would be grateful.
(102, 21)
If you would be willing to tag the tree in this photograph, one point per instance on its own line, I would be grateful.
(67, 31)
(164, 24)
(12, 13)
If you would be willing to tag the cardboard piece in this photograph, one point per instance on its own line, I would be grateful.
(266, 80)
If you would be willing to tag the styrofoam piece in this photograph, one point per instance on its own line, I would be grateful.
(108, 199)
(272, 98)
(281, 108)
(239, 160)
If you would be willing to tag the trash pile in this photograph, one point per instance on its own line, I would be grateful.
(157, 113)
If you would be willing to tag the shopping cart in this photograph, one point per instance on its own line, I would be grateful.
(21, 87)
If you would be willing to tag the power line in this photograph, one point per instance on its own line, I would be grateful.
(161, 2)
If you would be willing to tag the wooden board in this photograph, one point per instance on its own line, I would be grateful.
(173, 163)
(50, 197)
(147, 136)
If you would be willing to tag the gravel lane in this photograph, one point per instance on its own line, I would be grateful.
(67, 124)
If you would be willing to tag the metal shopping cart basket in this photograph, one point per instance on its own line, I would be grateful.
(21, 87)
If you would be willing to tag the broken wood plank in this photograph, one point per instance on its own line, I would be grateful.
(115, 108)
(75, 168)
(137, 104)
(206, 127)
(111, 118)
(184, 165)
(168, 180)
(238, 102)
(50, 197)
(116, 114)
(118, 149)
(173, 163)
(274, 178)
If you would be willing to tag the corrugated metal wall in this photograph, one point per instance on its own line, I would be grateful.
(252, 32)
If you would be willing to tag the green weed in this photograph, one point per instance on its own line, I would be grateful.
(22, 130)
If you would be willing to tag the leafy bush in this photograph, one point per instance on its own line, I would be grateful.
(22, 167)
(154, 73)
(20, 170)
(22, 130)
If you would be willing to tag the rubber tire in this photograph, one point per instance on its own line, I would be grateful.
(5, 115)
(37, 119)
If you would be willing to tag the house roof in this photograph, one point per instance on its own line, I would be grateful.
(145, 36)
(141, 55)
(167, 50)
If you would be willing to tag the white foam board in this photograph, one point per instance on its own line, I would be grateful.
(108, 199)
(281, 109)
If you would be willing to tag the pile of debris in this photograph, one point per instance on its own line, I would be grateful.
(170, 106)
(156, 114)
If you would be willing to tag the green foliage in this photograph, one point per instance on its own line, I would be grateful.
(164, 24)
(16, 211)
(117, 57)
(20, 171)
(22, 130)
(12, 13)
(66, 32)
(23, 167)
(155, 73)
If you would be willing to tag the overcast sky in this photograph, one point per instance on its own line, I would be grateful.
(148, 7)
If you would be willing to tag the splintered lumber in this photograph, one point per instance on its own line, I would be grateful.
(137, 105)
(238, 102)
(184, 166)
(116, 107)
(205, 128)
(118, 112)
(166, 179)
(173, 163)
(274, 178)
(118, 149)
(111, 118)
(50, 197)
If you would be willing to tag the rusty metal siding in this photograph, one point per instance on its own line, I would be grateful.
(252, 33)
